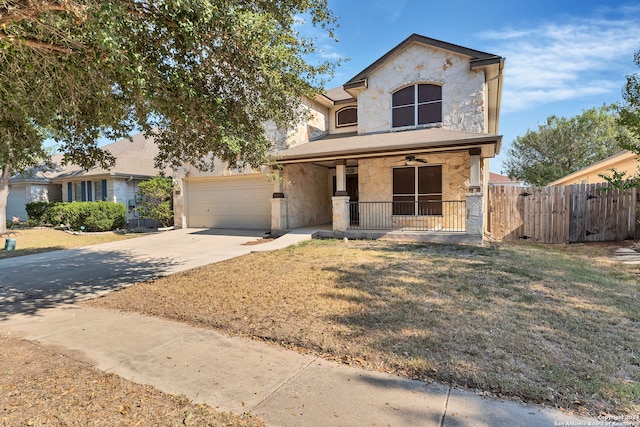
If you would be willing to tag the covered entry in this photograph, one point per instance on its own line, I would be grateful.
(229, 202)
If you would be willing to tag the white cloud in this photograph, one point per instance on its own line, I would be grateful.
(392, 9)
(566, 60)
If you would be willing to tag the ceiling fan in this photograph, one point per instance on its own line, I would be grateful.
(413, 160)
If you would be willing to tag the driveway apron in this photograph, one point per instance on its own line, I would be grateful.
(43, 280)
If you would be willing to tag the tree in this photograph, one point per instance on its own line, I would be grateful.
(562, 146)
(630, 112)
(155, 197)
(629, 118)
(202, 77)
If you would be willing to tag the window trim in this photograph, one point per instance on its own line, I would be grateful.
(342, 110)
(416, 194)
(416, 104)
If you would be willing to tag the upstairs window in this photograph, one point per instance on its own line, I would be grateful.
(347, 116)
(419, 104)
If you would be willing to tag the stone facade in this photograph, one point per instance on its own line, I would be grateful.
(307, 194)
(463, 97)
(474, 214)
(315, 127)
(375, 181)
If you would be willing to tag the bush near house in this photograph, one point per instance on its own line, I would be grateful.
(36, 211)
(93, 216)
(155, 200)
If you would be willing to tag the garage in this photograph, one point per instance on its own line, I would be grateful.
(229, 202)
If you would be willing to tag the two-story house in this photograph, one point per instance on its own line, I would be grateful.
(403, 145)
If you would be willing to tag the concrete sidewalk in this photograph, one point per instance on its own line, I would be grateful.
(284, 388)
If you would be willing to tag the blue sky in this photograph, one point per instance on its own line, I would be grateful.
(562, 57)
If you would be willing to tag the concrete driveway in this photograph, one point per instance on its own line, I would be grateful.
(32, 282)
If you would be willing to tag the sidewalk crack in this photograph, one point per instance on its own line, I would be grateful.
(284, 383)
(446, 405)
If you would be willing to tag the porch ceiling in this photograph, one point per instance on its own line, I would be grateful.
(352, 146)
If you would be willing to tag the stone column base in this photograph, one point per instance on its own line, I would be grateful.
(340, 213)
(475, 215)
(279, 214)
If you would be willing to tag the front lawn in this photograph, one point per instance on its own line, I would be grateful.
(36, 240)
(558, 325)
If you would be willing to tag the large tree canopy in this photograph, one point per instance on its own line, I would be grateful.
(630, 111)
(562, 146)
(201, 76)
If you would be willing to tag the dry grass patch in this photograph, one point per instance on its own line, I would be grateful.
(41, 385)
(550, 324)
(37, 240)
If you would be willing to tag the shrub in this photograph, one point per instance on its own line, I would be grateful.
(36, 211)
(155, 199)
(93, 216)
(56, 214)
(102, 216)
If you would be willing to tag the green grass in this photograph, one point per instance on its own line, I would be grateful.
(550, 324)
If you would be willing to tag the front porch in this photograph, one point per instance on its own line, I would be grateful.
(447, 216)
(418, 189)
(453, 222)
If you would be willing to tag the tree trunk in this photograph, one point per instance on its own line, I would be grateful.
(4, 196)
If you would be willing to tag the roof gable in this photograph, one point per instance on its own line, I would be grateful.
(477, 58)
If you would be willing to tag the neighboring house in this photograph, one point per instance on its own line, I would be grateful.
(32, 186)
(624, 161)
(405, 144)
(497, 179)
(134, 164)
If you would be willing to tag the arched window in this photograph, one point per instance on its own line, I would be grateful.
(418, 104)
(347, 116)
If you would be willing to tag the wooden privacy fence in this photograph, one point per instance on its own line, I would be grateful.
(566, 214)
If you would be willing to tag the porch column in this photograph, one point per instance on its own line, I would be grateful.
(341, 200)
(340, 213)
(279, 213)
(179, 220)
(341, 178)
(475, 216)
(474, 172)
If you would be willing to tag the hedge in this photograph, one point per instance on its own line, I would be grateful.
(93, 216)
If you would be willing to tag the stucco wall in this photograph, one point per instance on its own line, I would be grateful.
(463, 97)
(22, 193)
(332, 120)
(307, 194)
(17, 200)
(46, 192)
(627, 163)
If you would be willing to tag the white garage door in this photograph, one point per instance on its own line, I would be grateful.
(230, 202)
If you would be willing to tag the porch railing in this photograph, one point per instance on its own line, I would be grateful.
(427, 215)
